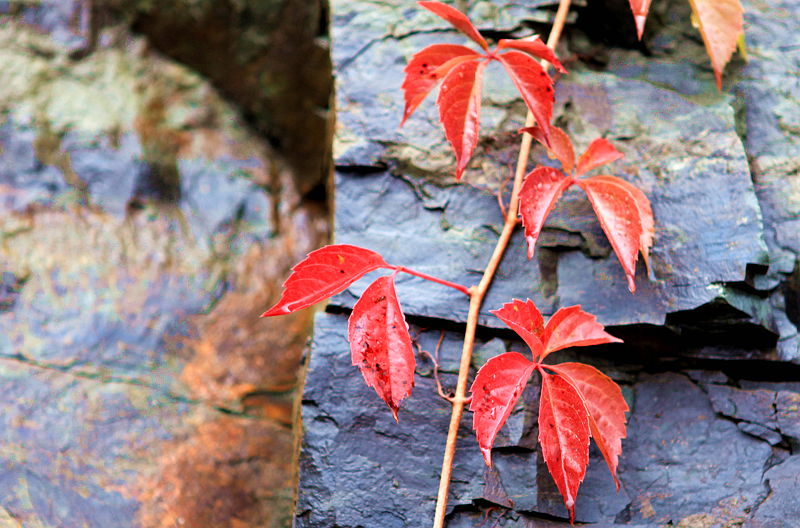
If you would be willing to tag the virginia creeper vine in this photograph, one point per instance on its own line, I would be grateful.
(477, 296)
(577, 401)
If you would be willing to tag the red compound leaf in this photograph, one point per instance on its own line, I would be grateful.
(645, 214)
(460, 110)
(380, 345)
(618, 213)
(525, 319)
(540, 191)
(428, 67)
(322, 274)
(640, 9)
(496, 389)
(721, 24)
(600, 152)
(534, 46)
(535, 86)
(606, 407)
(564, 436)
(570, 327)
(560, 146)
(458, 19)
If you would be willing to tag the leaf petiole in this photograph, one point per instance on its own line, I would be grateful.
(463, 289)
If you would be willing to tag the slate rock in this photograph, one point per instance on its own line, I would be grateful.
(672, 469)
(144, 228)
(673, 466)
(271, 58)
(440, 224)
(351, 444)
(780, 508)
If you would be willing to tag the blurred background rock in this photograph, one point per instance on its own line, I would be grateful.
(162, 165)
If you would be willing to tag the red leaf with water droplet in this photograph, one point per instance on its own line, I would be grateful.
(600, 152)
(525, 319)
(640, 9)
(460, 110)
(606, 406)
(322, 274)
(534, 46)
(618, 213)
(428, 67)
(644, 210)
(458, 19)
(535, 86)
(540, 191)
(564, 436)
(496, 389)
(560, 146)
(380, 345)
(570, 327)
(721, 24)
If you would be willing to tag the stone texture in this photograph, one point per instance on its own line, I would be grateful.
(672, 469)
(709, 366)
(144, 226)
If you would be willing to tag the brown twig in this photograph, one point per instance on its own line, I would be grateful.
(435, 361)
(477, 294)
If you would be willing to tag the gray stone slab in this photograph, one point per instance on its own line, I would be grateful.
(672, 468)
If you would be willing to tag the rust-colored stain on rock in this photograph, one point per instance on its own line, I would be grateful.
(227, 474)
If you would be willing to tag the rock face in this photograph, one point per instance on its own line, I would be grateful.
(144, 227)
(709, 366)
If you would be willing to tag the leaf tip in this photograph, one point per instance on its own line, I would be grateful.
(487, 455)
(718, 78)
(395, 410)
(531, 245)
(631, 283)
(640, 21)
(275, 310)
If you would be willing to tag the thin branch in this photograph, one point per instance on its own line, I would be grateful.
(478, 294)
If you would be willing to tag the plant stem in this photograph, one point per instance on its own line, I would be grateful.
(477, 294)
(459, 287)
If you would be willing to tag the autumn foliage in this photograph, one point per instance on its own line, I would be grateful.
(623, 210)
(577, 401)
(460, 70)
(721, 24)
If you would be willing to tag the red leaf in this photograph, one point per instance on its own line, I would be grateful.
(606, 406)
(645, 214)
(322, 274)
(618, 213)
(426, 68)
(721, 24)
(380, 345)
(564, 436)
(570, 327)
(535, 86)
(539, 193)
(640, 9)
(534, 46)
(524, 318)
(600, 152)
(458, 19)
(560, 146)
(460, 110)
(496, 389)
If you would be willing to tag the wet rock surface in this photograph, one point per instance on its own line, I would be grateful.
(709, 367)
(144, 226)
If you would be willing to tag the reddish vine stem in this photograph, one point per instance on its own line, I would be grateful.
(443, 282)
(477, 294)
